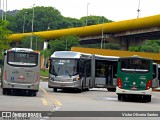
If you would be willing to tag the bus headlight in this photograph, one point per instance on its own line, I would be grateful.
(51, 78)
(77, 78)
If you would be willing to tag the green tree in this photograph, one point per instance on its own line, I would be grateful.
(63, 43)
(152, 46)
(111, 46)
(93, 20)
(4, 33)
(75, 22)
(44, 17)
(45, 54)
(37, 42)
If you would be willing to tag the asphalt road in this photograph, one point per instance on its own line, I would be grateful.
(69, 100)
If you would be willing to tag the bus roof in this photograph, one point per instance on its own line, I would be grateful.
(21, 49)
(67, 54)
(135, 56)
(110, 58)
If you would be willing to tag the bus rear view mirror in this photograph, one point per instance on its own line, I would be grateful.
(5, 54)
(47, 65)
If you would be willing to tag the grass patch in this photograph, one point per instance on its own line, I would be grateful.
(44, 73)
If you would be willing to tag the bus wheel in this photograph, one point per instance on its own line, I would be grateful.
(119, 97)
(55, 89)
(4, 91)
(148, 98)
(34, 94)
(111, 89)
(80, 89)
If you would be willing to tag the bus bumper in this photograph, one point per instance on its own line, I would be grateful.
(58, 84)
(9, 85)
(140, 92)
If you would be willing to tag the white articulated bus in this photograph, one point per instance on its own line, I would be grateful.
(69, 70)
(82, 71)
(104, 71)
(20, 71)
(159, 74)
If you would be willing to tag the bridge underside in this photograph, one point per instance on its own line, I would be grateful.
(126, 38)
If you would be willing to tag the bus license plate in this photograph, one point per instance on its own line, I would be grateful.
(134, 88)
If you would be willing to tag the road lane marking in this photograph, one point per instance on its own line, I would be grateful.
(55, 101)
(44, 90)
(109, 98)
(58, 102)
(44, 101)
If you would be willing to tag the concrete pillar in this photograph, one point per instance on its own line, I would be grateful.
(45, 45)
(124, 43)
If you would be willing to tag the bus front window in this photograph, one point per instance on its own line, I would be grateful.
(60, 67)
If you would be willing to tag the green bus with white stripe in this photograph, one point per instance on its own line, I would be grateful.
(135, 78)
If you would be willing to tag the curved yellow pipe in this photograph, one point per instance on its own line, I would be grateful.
(93, 30)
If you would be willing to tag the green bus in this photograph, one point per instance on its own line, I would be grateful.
(134, 78)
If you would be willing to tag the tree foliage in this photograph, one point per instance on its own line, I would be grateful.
(111, 46)
(152, 46)
(63, 43)
(44, 18)
(4, 33)
(93, 20)
(37, 42)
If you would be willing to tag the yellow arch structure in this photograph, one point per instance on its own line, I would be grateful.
(113, 27)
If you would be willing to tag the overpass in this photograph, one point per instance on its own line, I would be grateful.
(125, 33)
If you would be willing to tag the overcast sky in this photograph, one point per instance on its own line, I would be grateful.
(115, 10)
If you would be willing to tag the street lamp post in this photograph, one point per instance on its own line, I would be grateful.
(2, 9)
(102, 33)
(6, 11)
(48, 28)
(0, 4)
(66, 44)
(138, 10)
(87, 13)
(24, 21)
(32, 27)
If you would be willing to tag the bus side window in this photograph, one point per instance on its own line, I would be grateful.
(81, 68)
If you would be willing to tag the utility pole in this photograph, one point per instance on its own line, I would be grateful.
(138, 10)
(6, 11)
(32, 26)
(102, 33)
(87, 14)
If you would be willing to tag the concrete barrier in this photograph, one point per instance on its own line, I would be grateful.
(44, 78)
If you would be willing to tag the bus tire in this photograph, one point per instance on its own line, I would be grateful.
(148, 98)
(119, 97)
(55, 89)
(111, 89)
(34, 94)
(4, 91)
(80, 89)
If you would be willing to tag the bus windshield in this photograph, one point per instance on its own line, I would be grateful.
(22, 58)
(135, 65)
(60, 67)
